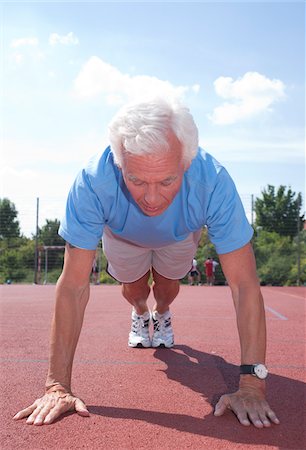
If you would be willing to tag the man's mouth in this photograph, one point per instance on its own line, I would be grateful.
(150, 209)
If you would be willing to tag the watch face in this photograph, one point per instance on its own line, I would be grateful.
(261, 371)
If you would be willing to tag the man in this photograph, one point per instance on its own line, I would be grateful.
(194, 276)
(209, 271)
(149, 194)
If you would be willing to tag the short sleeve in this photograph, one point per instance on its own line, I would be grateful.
(83, 222)
(227, 224)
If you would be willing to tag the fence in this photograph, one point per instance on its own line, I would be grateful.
(31, 257)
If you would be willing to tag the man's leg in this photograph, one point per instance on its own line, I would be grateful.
(137, 293)
(165, 291)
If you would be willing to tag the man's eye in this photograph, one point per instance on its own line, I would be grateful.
(166, 182)
(138, 183)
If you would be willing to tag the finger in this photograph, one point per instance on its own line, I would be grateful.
(30, 420)
(40, 418)
(255, 419)
(240, 412)
(264, 419)
(222, 405)
(272, 416)
(242, 417)
(24, 412)
(55, 412)
(80, 408)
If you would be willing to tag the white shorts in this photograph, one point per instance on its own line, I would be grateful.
(128, 262)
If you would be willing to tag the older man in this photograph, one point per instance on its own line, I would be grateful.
(148, 195)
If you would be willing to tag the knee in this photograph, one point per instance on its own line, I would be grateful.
(164, 288)
(138, 290)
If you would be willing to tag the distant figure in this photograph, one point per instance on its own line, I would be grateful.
(194, 275)
(215, 264)
(95, 272)
(209, 271)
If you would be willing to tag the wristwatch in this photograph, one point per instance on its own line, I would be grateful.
(257, 370)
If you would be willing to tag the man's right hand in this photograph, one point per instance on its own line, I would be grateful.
(49, 407)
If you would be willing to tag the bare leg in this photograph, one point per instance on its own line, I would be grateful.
(165, 291)
(137, 293)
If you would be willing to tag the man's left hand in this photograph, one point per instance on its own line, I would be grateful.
(249, 405)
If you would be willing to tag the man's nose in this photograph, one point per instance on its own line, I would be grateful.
(151, 195)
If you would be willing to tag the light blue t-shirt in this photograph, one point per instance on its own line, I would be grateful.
(207, 197)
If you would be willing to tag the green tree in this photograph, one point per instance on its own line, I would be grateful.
(48, 235)
(275, 257)
(9, 225)
(297, 274)
(279, 211)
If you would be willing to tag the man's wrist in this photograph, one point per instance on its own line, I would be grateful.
(258, 370)
(57, 387)
(249, 381)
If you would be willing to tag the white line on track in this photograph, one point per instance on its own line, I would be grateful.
(277, 314)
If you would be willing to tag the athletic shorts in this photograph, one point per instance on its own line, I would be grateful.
(128, 262)
(193, 273)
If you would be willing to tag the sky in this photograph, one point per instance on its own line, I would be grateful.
(67, 67)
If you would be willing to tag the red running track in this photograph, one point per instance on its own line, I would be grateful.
(148, 398)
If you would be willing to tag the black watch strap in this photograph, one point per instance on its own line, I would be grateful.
(247, 369)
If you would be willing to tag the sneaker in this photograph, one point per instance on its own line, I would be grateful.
(163, 333)
(139, 335)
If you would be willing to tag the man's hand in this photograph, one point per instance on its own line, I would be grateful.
(249, 405)
(49, 407)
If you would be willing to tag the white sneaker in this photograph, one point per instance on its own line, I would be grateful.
(163, 334)
(139, 335)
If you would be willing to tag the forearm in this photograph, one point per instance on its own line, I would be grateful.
(251, 324)
(66, 326)
(252, 332)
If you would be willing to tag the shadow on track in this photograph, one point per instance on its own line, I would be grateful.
(211, 376)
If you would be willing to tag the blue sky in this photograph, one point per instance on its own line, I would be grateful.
(66, 69)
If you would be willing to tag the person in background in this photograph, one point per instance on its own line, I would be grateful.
(149, 194)
(209, 271)
(215, 264)
(95, 272)
(194, 276)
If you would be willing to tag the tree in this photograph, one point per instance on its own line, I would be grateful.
(9, 225)
(275, 257)
(279, 211)
(48, 234)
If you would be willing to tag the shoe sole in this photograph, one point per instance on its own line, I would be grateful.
(163, 345)
(139, 345)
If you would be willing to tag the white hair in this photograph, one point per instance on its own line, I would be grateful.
(143, 128)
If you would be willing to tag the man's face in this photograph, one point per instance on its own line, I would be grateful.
(154, 180)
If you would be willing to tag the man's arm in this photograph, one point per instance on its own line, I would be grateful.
(72, 294)
(248, 403)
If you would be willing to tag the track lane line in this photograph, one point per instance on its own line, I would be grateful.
(277, 314)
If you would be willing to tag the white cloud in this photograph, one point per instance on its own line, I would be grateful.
(26, 41)
(68, 39)
(247, 97)
(98, 77)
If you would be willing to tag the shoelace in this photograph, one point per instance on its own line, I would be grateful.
(160, 325)
(139, 324)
